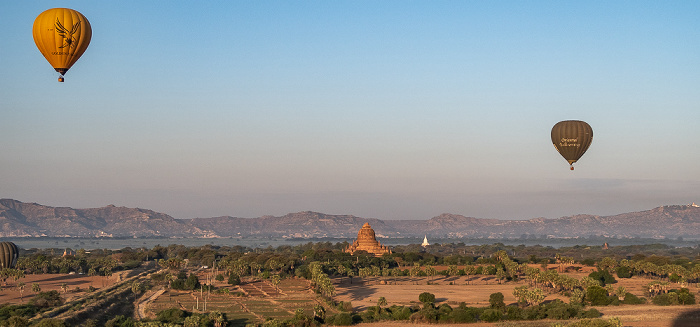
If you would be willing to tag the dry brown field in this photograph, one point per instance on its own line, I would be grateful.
(475, 291)
(364, 292)
(50, 282)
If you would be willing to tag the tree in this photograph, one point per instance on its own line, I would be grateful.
(577, 297)
(452, 270)
(430, 271)
(218, 318)
(136, 287)
(233, 279)
(319, 313)
(608, 264)
(597, 295)
(36, 288)
(20, 288)
(500, 274)
(192, 282)
(380, 303)
(426, 297)
(496, 301)
(620, 292)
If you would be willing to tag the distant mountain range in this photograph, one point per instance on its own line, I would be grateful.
(19, 219)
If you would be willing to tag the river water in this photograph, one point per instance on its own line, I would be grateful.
(120, 243)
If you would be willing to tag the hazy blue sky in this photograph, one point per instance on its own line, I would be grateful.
(382, 109)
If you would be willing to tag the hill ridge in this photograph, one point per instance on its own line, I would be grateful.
(20, 219)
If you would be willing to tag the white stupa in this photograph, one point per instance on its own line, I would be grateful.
(425, 241)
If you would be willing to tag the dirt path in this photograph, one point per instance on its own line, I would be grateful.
(141, 307)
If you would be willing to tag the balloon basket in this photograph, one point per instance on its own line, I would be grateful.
(60, 79)
(572, 167)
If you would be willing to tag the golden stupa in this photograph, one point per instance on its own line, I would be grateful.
(366, 241)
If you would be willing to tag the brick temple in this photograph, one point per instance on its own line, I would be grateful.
(366, 241)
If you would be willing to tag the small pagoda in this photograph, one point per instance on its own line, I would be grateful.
(366, 241)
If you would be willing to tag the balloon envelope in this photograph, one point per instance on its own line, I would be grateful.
(8, 254)
(572, 138)
(62, 35)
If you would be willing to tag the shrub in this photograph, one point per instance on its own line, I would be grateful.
(47, 299)
(192, 282)
(491, 315)
(177, 284)
(559, 310)
(233, 279)
(685, 297)
(596, 295)
(666, 299)
(220, 277)
(623, 272)
(342, 319)
(674, 278)
(344, 306)
(427, 314)
(514, 313)
(23, 310)
(462, 315)
(612, 322)
(633, 299)
(16, 321)
(51, 322)
(400, 313)
(120, 321)
(496, 301)
(603, 276)
(535, 312)
(444, 312)
(592, 313)
(557, 313)
(172, 315)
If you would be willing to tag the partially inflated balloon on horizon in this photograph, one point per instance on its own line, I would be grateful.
(62, 35)
(8, 254)
(572, 138)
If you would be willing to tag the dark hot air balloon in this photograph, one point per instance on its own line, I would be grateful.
(572, 138)
(62, 35)
(8, 254)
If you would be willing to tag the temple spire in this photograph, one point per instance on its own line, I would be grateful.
(425, 241)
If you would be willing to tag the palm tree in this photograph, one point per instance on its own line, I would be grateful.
(218, 318)
(191, 321)
(430, 271)
(381, 302)
(621, 292)
(136, 287)
(20, 288)
(92, 272)
(452, 270)
(276, 281)
(342, 270)
(319, 312)
(500, 275)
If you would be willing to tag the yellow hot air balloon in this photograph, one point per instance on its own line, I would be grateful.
(62, 35)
